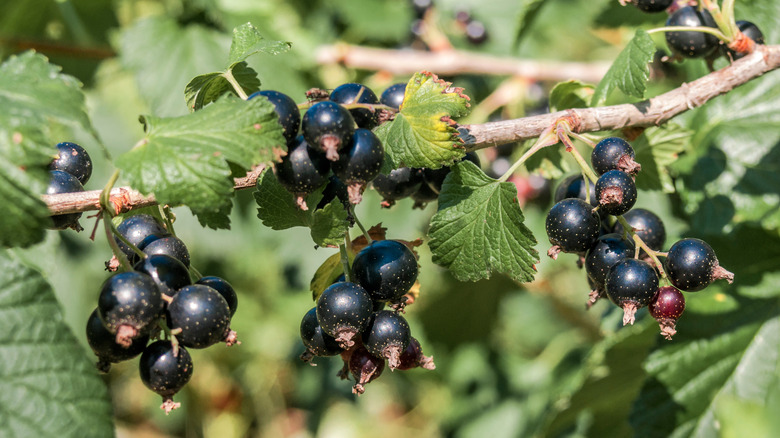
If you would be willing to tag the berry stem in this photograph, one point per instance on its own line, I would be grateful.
(586, 170)
(583, 139)
(641, 244)
(345, 258)
(704, 29)
(236, 86)
(547, 138)
(168, 216)
(360, 225)
(108, 213)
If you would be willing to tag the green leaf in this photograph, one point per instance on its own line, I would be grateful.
(205, 89)
(247, 41)
(423, 132)
(630, 71)
(530, 9)
(656, 150)
(548, 162)
(47, 385)
(478, 228)
(570, 94)
(278, 210)
(184, 160)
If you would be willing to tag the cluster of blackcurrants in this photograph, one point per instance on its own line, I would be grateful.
(694, 44)
(68, 173)
(158, 295)
(622, 262)
(350, 317)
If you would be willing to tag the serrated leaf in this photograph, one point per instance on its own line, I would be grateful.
(478, 229)
(205, 89)
(630, 71)
(247, 41)
(655, 150)
(184, 160)
(570, 94)
(423, 132)
(278, 210)
(48, 387)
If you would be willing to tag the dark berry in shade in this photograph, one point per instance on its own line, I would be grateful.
(137, 228)
(666, 307)
(398, 184)
(358, 93)
(751, 31)
(73, 159)
(691, 44)
(317, 342)
(647, 225)
(334, 189)
(64, 182)
(476, 32)
(631, 284)
(608, 250)
(286, 109)
(614, 153)
(572, 226)
(169, 273)
(387, 336)
(616, 192)
(435, 177)
(169, 245)
(386, 269)
(224, 288)
(691, 265)
(364, 367)
(201, 313)
(103, 344)
(302, 171)
(343, 311)
(413, 357)
(328, 126)
(652, 5)
(393, 96)
(129, 305)
(165, 369)
(360, 164)
(423, 196)
(574, 186)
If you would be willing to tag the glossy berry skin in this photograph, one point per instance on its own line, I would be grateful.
(64, 182)
(423, 196)
(668, 303)
(303, 170)
(103, 343)
(169, 245)
(286, 109)
(343, 311)
(162, 371)
(398, 184)
(168, 273)
(224, 288)
(387, 336)
(690, 264)
(573, 186)
(631, 284)
(572, 226)
(202, 314)
(73, 159)
(317, 342)
(691, 44)
(365, 368)
(435, 177)
(386, 269)
(751, 31)
(360, 163)
(608, 250)
(652, 6)
(129, 299)
(137, 228)
(616, 192)
(329, 127)
(647, 225)
(393, 96)
(413, 357)
(358, 93)
(608, 154)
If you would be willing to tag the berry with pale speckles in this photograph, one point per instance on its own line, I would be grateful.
(360, 164)
(64, 182)
(103, 344)
(343, 311)
(616, 192)
(224, 288)
(608, 250)
(691, 265)
(286, 109)
(393, 96)
(129, 304)
(328, 126)
(169, 273)
(631, 284)
(73, 159)
(387, 336)
(302, 171)
(647, 225)
(317, 342)
(201, 313)
(358, 93)
(572, 226)
(614, 153)
(666, 307)
(691, 44)
(135, 229)
(386, 269)
(165, 369)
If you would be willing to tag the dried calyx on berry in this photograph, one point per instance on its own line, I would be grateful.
(572, 226)
(631, 284)
(666, 307)
(692, 265)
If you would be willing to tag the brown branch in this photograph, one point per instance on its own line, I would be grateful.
(452, 62)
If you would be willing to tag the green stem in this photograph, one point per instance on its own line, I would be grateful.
(236, 86)
(583, 139)
(110, 229)
(345, 259)
(728, 17)
(360, 225)
(547, 138)
(703, 29)
(165, 212)
(105, 195)
(586, 170)
(641, 244)
(195, 274)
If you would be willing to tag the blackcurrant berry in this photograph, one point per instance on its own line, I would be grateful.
(169, 273)
(616, 192)
(201, 313)
(691, 265)
(608, 250)
(103, 344)
(358, 93)
(317, 342)
(573, 186)
(631, 284)
(476, 32)
(387, 336)
(168, 245)
(64, 182)
(751, 31)
(334, 189)
(413, 357)
(423, 196)
(224, 288)
(691, 44)
(137, 228)
(614, 153)
(129, 305)
(286, 109)
(435, 177)
(393, 96)
(364, 367)
(343, 311)
(666, 307)
(652, 5)
(302, 171)
(165, 369)
(647, 225)
(328, 126)
(73, 159)
(386, 269)
(398, 184)
(571, 226)
(360, 164)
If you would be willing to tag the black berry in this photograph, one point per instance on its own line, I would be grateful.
(572, 226)
(691, 265)
(393, 96)
(103, 344)
(302, 171)
(573, 186)
(64, 182)
(224, 288)
(751, 31)
(398, 184)
(631, 284)
(647, 225)
(317, 342)
(137, 228)
(616, 192)
(286, 109)
(328, 126)
(360, 164)
(476, 32)
(167, 245)
(614, 153)
(364, 367)
(386, 269)
(129, 305)
(666, 307)
(343, 311)
(652, 5)
(413, 357)
(358, 93)
(387, 336)
(169, 273)
(691, 44)
(201, 313)
(73, 159)
(423, 196)
(608, 250)
(165, 370)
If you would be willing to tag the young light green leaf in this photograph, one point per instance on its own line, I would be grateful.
(205, 89)
(630, 71)
(478, 228)
(655, 151)
(44, 369)
(247, 41)
(278, 210)
(423, 133)
(184, 160)
(570, 94)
